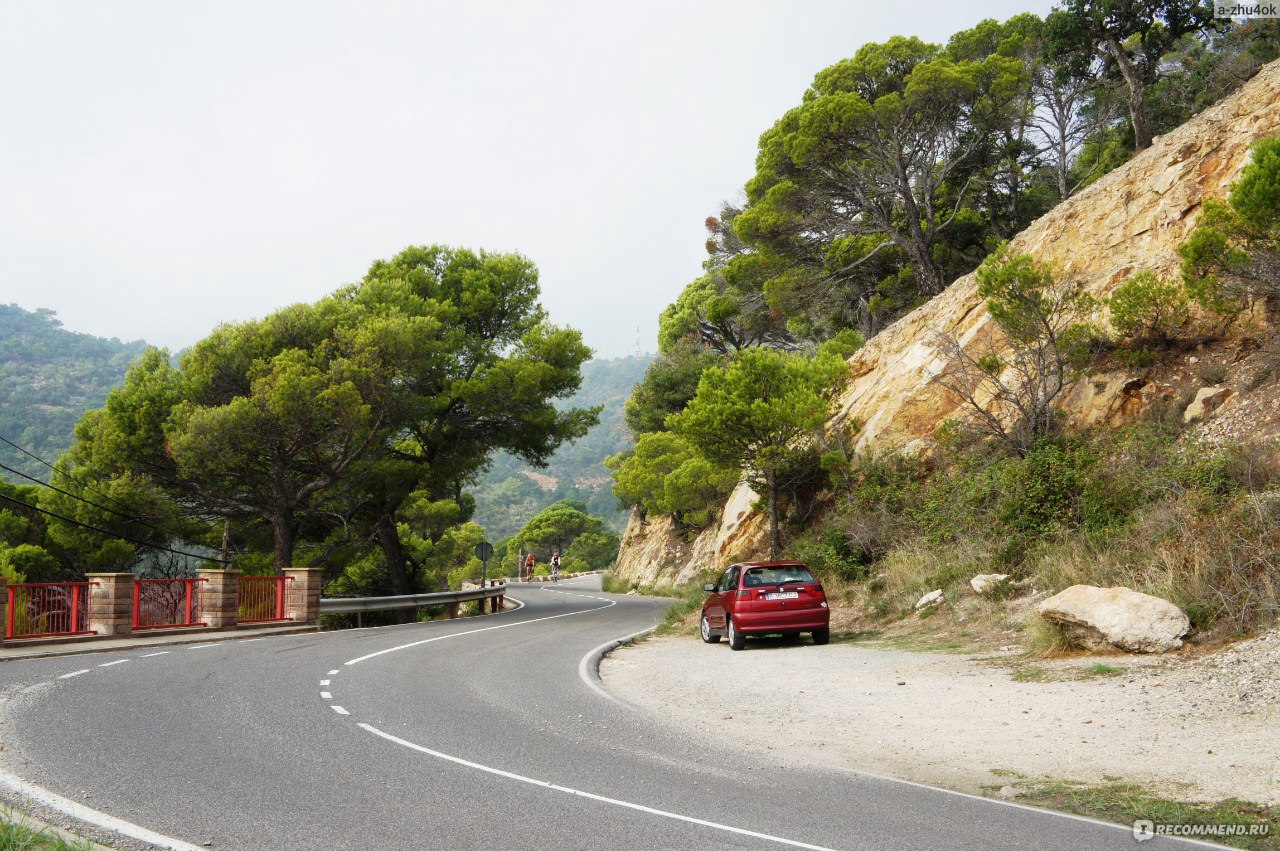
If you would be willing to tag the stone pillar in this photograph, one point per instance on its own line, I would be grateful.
(111, 603)
(303, 601)
(219, 597)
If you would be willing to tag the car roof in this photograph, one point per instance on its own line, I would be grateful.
(772, 564)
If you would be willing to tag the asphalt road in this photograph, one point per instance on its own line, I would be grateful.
(475, 733)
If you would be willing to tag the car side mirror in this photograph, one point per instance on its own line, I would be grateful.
(710, 586)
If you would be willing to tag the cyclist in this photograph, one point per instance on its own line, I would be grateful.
(555, 567)
(529, 563)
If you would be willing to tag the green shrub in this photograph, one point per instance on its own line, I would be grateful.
(1147, 309)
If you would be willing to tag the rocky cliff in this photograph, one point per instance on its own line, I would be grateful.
(1132, 219)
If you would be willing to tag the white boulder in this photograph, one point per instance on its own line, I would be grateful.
(985, 583)
(1207, 400)
(1096, 618)
(933, 598)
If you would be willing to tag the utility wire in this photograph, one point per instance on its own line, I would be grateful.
(131, 517)
(109, 534)
(61, 472)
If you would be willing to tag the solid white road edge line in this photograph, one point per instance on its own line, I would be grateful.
(116, 662)
(584, 664)
(92, 816)
(474, 631)
(161, 653)
(601, 798)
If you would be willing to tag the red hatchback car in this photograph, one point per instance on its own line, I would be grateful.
(764, 597)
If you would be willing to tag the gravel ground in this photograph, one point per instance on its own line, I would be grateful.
(1194, 729)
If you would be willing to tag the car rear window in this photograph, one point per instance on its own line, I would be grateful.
(793, 573)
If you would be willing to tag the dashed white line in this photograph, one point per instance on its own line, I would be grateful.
(331, 673)
(116, 662)
(160, 653)
(201, 646)
(339, 710)
(601, 798)
(324, 682)
(608, 603)
(74, 674)
(326, 696)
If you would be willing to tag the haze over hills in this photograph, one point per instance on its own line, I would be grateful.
(49, 376)
(512, 492)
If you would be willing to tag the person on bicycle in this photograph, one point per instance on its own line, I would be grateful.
(555, 567)
(529, 562)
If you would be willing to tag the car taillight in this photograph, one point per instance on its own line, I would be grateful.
(744, 593)
(817, 589)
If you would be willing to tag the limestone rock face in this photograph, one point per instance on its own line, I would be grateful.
(1117, 617)
(656, 552)
(1130, 220)
(1207, 400)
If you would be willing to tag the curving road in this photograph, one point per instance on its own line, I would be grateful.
(477, 733)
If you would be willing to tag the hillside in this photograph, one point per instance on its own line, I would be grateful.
(1132, 219)
(49, 376)
(511, 492)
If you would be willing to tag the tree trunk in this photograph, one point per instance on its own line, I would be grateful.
(283, 530)
(775, 549)
(393, 553)
(1137, 95)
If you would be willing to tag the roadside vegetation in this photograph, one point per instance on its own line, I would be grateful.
(18, 834)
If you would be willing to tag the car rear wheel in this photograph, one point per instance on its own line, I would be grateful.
(822, 636)
(736, 639)
(707, 635)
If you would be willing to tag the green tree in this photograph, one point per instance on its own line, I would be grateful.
(875, 158)
(1011, 380)
(665, 474)
(1233, 255)
(480, 370)
(1147, 309)
(554, 530)
(1131, 39)
(668, 385)
(753, 414)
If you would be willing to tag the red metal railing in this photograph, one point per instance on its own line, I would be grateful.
(48, 608)
(159, 603)
(262, 598)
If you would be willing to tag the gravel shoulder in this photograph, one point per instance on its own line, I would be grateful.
(1191, 729)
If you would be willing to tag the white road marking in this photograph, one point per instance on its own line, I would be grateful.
(202, 646)
(608, 603)
(326, 696)
(584, 672)
(324, 682)
(74, 674)
(92, 816)
(331, 673)
(116, 662)
(601, 798)
(161, 653)
(339, 710)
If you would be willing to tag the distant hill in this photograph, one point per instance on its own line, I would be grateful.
(511, 492)
(49, 376)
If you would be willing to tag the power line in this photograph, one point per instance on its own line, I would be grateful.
(84, 485)
(109, 534)
(130, 517)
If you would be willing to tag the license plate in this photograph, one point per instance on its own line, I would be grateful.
(782, 595)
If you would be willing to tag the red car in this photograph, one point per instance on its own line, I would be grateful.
(764, 597)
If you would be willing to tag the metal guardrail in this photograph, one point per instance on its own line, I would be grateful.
(343, 605)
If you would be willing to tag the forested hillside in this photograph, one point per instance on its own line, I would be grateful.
(49, 376)
(512, 492)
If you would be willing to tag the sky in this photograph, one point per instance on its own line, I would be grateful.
(167, 167)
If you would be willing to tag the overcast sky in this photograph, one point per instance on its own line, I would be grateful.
(165, 167)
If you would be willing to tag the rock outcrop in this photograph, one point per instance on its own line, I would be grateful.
(1130, 220)
(1121, 618)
